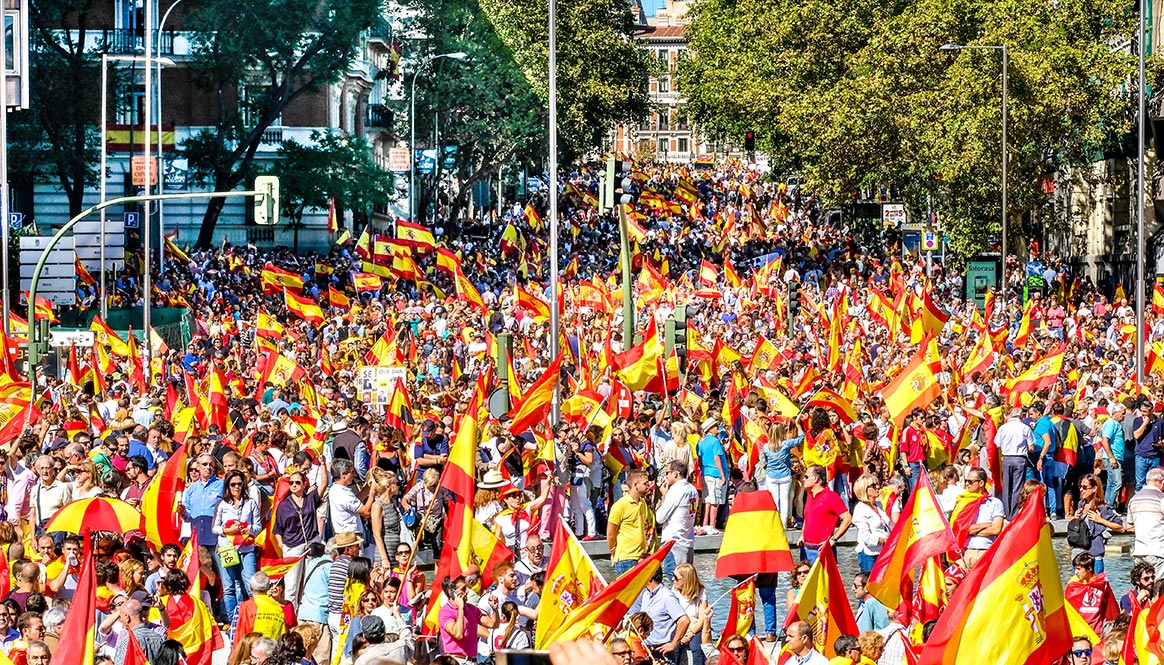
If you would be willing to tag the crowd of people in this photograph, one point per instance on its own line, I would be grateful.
(302, 479)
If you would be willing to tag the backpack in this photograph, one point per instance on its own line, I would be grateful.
(1079, 533)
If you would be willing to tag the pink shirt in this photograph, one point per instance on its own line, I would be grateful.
(466, 647)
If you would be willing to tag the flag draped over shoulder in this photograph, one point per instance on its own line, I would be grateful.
(192, 626)
(753, 540)
(1010, 608)
(920, 534)
(79, 631)
(597, 617)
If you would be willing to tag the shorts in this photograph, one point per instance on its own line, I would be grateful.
(714, 490)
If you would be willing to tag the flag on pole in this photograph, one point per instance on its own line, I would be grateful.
(823, 604)
(77, 635)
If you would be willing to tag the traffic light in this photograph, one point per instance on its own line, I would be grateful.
(617, 185)
(750, 141)
(266, 200)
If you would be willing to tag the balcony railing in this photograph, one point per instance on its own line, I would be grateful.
(124, 41)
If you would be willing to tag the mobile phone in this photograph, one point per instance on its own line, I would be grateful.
(522, 657)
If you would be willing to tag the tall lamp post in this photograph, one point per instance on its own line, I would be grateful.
(161, 160)
(412, 198)
(1005, 61)
(1141, 112)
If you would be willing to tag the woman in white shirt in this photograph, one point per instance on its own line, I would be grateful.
(693, 598)
(873, 524)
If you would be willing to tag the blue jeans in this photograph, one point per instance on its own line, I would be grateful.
(1143, 466)
(1115, 483)
(236, 576)
(1053, 482)
(668, 568)
(768, 600)
(810, 555)
(621, 567)
(865, 562)
(915, 471)
(696, 646)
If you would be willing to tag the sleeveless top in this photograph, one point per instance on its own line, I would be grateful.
(389, 529)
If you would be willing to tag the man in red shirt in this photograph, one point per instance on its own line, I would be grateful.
(913, 450)
(826, 517)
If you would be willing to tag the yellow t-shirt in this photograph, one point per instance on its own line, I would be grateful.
(636, 528)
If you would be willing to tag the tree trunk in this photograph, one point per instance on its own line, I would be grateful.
(209, 221)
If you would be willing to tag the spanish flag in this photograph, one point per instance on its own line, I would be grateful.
(829, 400)
(599, 616)
(192, 626)
(729, 273)
(172, 248)
(351, 604)
(278, 568)
(921, 533)
(365, 282)
(929, 598)
(459, 474)
(304, 308)
(1157, 299)
(532, 217)
(42, 309)
(332, 217)
(276, 279)
(103, 335)
(741, 612)
(913, 388)
(1144, 641)
(822, 603)
(1041, 375)
(981, 357)
(83, 275)
(753, 540)
(398, 415)
(1010, 608)
(468, 542)
(636, 366)
(337, 299)
(447, 262)
(708, 275)
(414, 235)
(466, 292)
(538, 308)
(160, 520)
(77, 635)
(535, 404)
(267, 326)
(571, 580)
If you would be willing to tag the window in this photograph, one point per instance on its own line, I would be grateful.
(249, 96)
(664, 121)
(683, 145)
(663, 146)
(664, 84)
(132, 108)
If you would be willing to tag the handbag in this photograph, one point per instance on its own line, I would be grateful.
(228, 555)
(1079, 533)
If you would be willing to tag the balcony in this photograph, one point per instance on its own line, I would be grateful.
(379, 117)
(381, 32)
(122, 41)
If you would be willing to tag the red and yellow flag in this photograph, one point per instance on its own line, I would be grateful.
(829, 400)
(42, 309)
(276, 279)
(458, 475)
(599, 616)
(1010, 608)
(160, 519)
(304, 308)
(920, 534)
(414, 235)
(77, 635)
(535, 404)
(366, 282)
(741, 612)
(538, 308)
(1040, 375)
(753, 540)
(571, 580)
(337, 299)
(1145, 639)
(914, 388)
(823, 604)
(636, 366)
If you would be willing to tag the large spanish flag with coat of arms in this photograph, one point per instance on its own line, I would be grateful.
(1010, 608)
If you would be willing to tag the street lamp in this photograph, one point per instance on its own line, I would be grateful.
(459, 55)
(161, 160)
(999, 47)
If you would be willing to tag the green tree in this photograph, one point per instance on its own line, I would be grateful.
(857, 93)
(257, 57)
(335, 168)
(493, 106)
(59, 139)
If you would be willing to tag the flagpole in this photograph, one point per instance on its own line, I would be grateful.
(726, 593)
(555, 315)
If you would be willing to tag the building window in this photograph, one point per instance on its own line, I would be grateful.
(664, 84)
(683, 145)
(664, 121)
(132, 109)
(663, 146)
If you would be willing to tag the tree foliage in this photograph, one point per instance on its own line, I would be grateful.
(59, 136)
(276, 51)
(493, 106)
(334, 168)
(857, 93)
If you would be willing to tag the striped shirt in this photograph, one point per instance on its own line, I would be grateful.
(337, 579)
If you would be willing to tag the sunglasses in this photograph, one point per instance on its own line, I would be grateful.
(1080, 653)
(236, 484)
(622, 654)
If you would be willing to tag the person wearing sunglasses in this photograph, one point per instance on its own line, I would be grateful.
(296, 525)
(236, 523)
(1080, 651)
(201, 498)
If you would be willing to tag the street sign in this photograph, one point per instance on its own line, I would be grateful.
(425, 161)
(398, 160)
(893, 214)
(930, 241)
(138, 171)
(66, 338)
(87, 240)
(61, 290)
(132, 220)
(16, 220)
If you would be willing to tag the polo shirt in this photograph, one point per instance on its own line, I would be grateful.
(822, 512)
(1113, 431)
(344, 507)
(988, 510)
(636, 528)
(1146, 445)
(665, 610)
